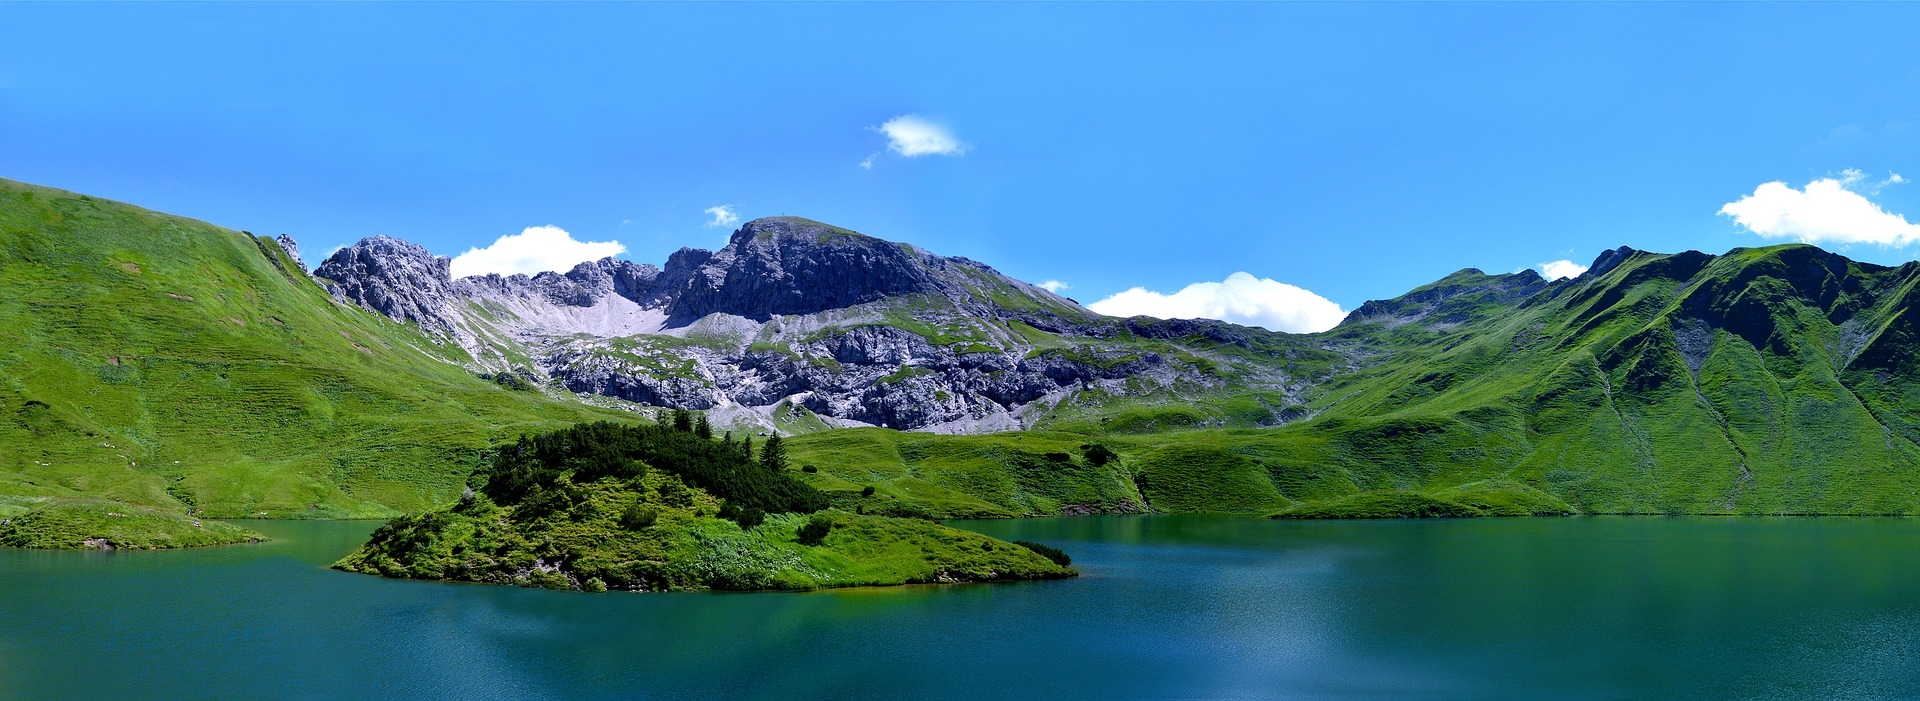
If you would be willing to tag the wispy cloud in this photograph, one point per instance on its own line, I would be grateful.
(1241, 299)
(1555, 270)
(533, 250)
(1827, 210)
(723, 215)
(1054, 286)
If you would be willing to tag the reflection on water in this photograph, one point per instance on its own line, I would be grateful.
(1168, 607)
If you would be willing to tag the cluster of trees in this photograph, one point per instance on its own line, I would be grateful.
(750, 483)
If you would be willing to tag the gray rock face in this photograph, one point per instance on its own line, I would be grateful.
(788, 265)
(395, 278)
(792, 317)
(293, 249)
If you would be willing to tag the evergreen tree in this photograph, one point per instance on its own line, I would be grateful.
(746, 446)
(773, 455)
(682, 420)
(703, 429)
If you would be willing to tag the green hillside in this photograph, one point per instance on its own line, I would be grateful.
(164, 362)
(1777, 380)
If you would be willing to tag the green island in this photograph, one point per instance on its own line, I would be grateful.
(651, 508)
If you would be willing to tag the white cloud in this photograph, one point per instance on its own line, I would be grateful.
(1561, 268)
(536, 249)
(1241, 299)
(1826, 211)
(723, 215)
(1054, 286)
(914, 136)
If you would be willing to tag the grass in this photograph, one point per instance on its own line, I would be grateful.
(105, 524)
(1383, 505)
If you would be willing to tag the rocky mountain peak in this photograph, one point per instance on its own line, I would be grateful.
(790, 265)
(292, 248)
(393, 277)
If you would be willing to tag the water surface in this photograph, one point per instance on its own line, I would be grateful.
(1168, 607)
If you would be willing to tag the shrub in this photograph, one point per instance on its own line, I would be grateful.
(867, 491)
(1046, 551)
(746, 516)
(815, 529)
(1098, 455)
(809, 469)
(638, 516)
(1059, 457)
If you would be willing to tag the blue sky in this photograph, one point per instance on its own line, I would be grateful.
(1354, 151)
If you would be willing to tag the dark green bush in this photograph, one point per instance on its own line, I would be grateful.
(638, 516)
(1046, 551)
(746, 516)
(1098, 455)
(867, 491)
(809, 469)
(815, 529)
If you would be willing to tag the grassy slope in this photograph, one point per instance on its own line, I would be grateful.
(1782, 380)
(164, 362)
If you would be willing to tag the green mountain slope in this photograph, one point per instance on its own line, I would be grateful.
(165, 362)
(1778, 380)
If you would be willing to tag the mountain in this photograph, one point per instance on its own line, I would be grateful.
(172, 365)
(796, 325)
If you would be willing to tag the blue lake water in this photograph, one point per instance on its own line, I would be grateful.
(1188, 607)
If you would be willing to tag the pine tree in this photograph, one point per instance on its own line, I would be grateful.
(682, 420)
(773, 455)
(702, 428)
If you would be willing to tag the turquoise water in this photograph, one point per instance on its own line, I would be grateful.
(1168, 607)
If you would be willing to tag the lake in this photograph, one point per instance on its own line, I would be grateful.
(1189, 607)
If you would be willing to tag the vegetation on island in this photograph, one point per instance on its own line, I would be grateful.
(619, 506)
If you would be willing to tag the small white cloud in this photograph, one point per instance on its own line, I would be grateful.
(1561, 268)
(1826, 211)
(536, 249)
(1241, 299)
(1054, 286)
(914, 136)
(723, 215)
(868, 163)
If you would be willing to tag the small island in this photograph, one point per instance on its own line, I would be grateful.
(606, 506)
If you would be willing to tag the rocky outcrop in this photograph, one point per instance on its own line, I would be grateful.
(789, 265)
(293, 249)
(395, 278)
